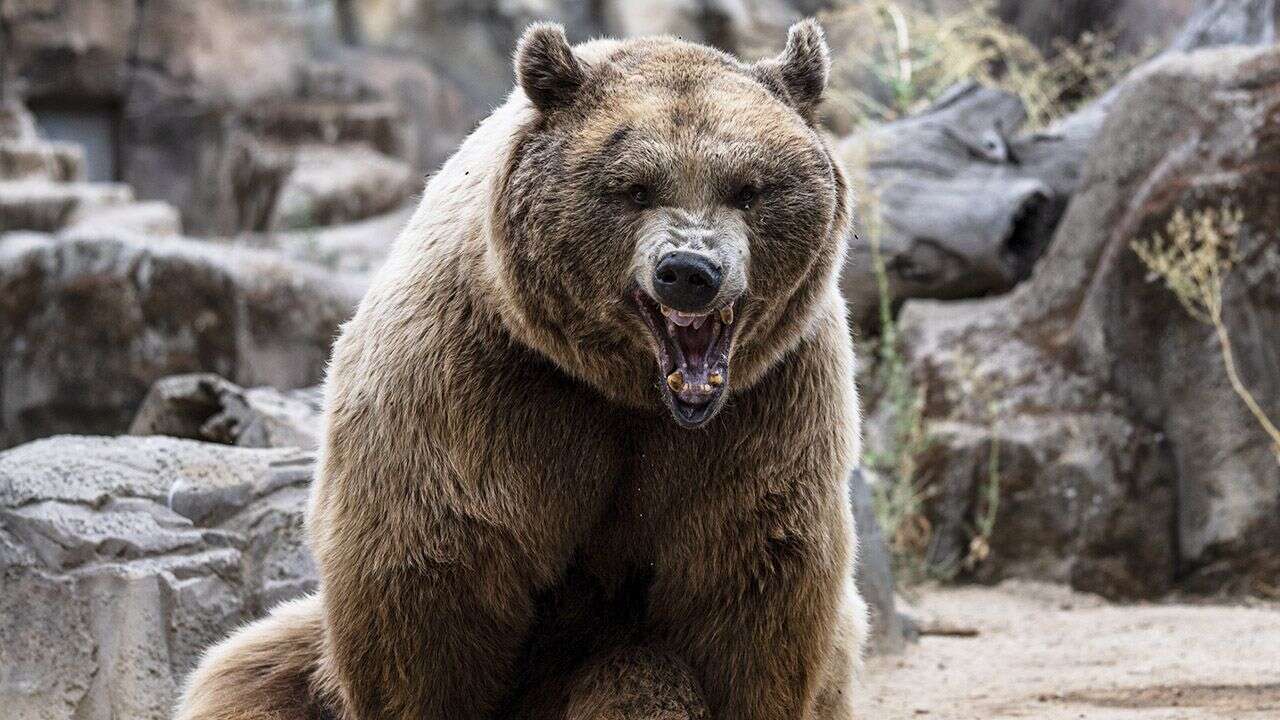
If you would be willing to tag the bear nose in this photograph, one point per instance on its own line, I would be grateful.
(686, 281)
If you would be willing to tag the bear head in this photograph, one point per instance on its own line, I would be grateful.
(669, 218)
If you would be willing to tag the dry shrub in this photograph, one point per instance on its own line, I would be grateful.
(892, 60)
(1193, 257)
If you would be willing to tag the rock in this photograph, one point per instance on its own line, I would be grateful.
(34, 160)
(88, 324)
(41, 189)
(71, 49)
(331, 185)
(1229, 22)
(875, 570)
(921, 172)
(122, 559)
(16, 123)
(152, 218)
(1131, 24)
(48, 206)
(935, 241)
(1133, 334)
(434, 114)
(193, 88)
(1126, 463)
(1079, 492)
(207, 407)
(358, 247)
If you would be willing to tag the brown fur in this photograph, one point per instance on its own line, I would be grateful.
(507, 521)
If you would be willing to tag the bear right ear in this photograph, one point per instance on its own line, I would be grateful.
(546, 67)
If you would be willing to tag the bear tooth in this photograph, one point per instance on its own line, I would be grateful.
(726, 314)
(675, 381)
(716, 379)
(697, 323)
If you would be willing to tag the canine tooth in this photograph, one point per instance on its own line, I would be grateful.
(716, 380)
(726, 314)
(675, 381)
(697, 324)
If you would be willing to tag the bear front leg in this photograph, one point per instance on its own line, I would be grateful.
(769, 652)
(769, 620)
(423, 640)
(440, 511)
(430, 567)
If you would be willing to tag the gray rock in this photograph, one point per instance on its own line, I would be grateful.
(331, 185)
(922, 174)
(1133, 334)
(875, 570)
(1130, 24)
(197, 85)
(88, 324)
(35, 160)
(16, 124)
(924, 171)
(1127, 464)
(122, 559)
(151, 218)
(45, 206)
(358, 247)
(207, 407)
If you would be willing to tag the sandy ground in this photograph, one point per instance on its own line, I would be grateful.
(1042, 651)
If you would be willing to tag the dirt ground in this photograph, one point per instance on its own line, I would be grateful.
(1042, 651)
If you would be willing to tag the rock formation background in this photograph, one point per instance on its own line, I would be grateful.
(194, 192)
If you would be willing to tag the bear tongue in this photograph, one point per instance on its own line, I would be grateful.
(693, 345)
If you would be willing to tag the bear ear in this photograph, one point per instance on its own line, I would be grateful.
(546, 67)
(801, 70)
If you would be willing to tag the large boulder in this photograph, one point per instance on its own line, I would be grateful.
(87, 324)
(1124, 460)
(122, 559)
(1200, 132)
(332, 185)
(203, 406)
(1077, 491)
(1130, 24)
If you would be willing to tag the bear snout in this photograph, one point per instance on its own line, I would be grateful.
(687, 281)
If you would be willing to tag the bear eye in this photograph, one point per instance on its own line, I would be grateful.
(745, 197)
(640, 195)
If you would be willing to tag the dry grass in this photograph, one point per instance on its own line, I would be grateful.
(893, 60)
(896, 490)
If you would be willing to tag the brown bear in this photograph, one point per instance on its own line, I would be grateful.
(588, 434)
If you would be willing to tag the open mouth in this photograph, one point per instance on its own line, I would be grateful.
(693, 356)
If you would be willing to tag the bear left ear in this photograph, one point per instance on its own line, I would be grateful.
(801, 70)
(546, 67)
